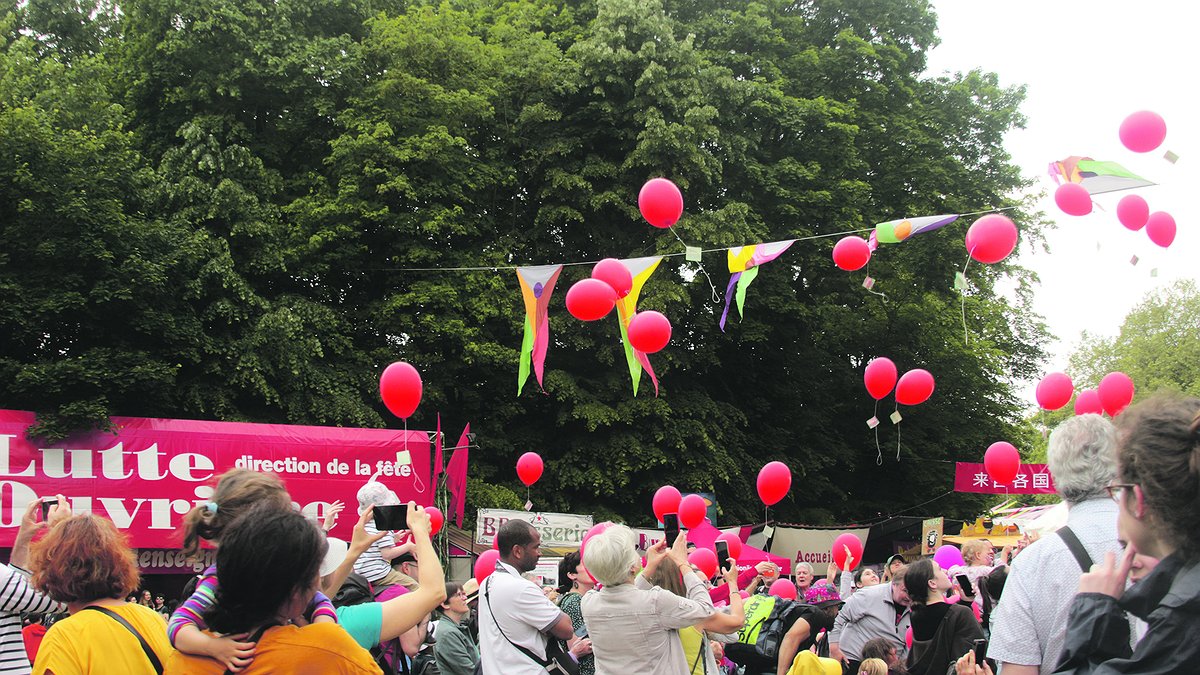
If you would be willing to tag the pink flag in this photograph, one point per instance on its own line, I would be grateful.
(456, 476)
(437, 453)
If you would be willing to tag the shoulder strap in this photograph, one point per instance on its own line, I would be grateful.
(1076, 547)
(158, 667)
(487, 596)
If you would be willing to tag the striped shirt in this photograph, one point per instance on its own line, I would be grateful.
(205, 596)
(371, 563)
(16, 597)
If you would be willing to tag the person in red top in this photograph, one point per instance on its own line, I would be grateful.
(33, 634)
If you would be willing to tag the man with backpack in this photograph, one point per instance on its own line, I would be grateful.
(777, 629)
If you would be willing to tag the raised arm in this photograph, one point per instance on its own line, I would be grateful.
(402, 613)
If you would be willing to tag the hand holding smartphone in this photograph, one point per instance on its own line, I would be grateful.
(47, 502)
(722, 555)
(670, 528)
(964, 585)
(980, 648)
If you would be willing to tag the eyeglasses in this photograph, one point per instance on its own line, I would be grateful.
(1114, 490)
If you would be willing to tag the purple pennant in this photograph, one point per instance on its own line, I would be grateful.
(733, 279)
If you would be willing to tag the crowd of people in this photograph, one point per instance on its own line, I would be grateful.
(1115, 591)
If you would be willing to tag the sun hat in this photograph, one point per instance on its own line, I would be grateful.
(822, 595)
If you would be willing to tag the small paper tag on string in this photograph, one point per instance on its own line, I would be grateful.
(1171, 157)
(1097, 246)
(1133, 260)
(895, 417)
(868, 283)
(691, 253)
(873, 422)
(528, 505)
(960, 281)
(1154, 272)
(403, 458)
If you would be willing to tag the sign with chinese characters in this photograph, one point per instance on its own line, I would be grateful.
(1032, 479)
(931, 534)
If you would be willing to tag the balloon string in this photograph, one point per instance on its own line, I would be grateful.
(716, 297)
(962, 291)
(898, 433)
(418, 484)
(878, 449)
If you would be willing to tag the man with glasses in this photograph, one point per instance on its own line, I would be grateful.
(1030, 623)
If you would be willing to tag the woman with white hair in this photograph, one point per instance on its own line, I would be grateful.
(634, 625)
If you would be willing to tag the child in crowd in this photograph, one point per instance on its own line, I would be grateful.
(237, 490)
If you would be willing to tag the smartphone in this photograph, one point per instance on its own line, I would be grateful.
(391, 517)
(964, 584)
(980, 647)
(581, 631)
(671, 528)
(722, 555)
(46, 504)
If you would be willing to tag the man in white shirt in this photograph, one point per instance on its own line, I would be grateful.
(1029, 624)
(514, 611)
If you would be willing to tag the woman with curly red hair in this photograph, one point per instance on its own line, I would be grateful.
(84, 563)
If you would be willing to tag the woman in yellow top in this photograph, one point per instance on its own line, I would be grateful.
(84, 563)
(695, 638)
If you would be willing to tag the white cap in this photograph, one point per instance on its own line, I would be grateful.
(334, 556)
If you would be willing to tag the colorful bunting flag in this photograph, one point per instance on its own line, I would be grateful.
(896, 231)
(1096, 177)
(640, 269)
(743, 268)
(537, 285)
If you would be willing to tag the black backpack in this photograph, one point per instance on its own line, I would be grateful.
(355, 590)
(767, 619)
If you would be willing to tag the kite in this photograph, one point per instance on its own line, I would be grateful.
(1096, 177)
(743, 269)
(895, 231)
(537, 285)
(640, 269)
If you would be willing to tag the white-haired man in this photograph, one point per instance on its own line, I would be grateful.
(1030, 623)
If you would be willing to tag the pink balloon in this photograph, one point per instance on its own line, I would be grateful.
(436, 519)
(991, 238)
(914, 387)
(486, 564)
(593, 531)
(1143, 131)
(851, 253)
(660, 202)
(706, 560)
(529, 468)
(840, 545)
(879, 377)
(692, 510)
(400, 387)
(1002, 461)
(613, 273)
(1088, 401)
(1116, 392)
(1054, 391)
(782, 588)
(948, 556)
(734, 543)
(1133, 212)
(1073, 199)
(649, 331)
(666, 500)
(590, 299)
(774, 481)
(1160, 227)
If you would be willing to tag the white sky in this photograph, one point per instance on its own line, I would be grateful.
(1087, 65)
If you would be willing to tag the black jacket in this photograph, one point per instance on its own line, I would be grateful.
(955, 636)
(1168, 599)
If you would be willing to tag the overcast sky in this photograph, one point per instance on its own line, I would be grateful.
(1087, 65)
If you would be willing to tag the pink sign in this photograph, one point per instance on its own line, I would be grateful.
(1032, 479)
(150, 472)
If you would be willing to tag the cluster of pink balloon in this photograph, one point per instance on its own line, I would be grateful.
(1134, 213)
(913, 388)
(1114, 394)
(691, 511)
(400, 387)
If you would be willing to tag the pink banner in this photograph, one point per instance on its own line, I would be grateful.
(1032, 479)
(150, 472)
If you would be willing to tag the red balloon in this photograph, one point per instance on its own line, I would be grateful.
(613, 273)
(529, 468)
(1073, 199)
(1133, 211)
(774, 481)
(914, 387)
(1116, 392)
(649, 332)
(1160, 227)
(593, 531)
(660, 202)
(486, 564)
(782, 588)
(1054, 391)
(734, 543)
(1143, 131)
(991, 238)
(1088, 401)
(590, 299)
(400, 387)
(436, 519)
(692, 510)
(666, 500)
(1002, 461)
(706, 560)
(851, 253)
(880, 377)
(840, 545)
